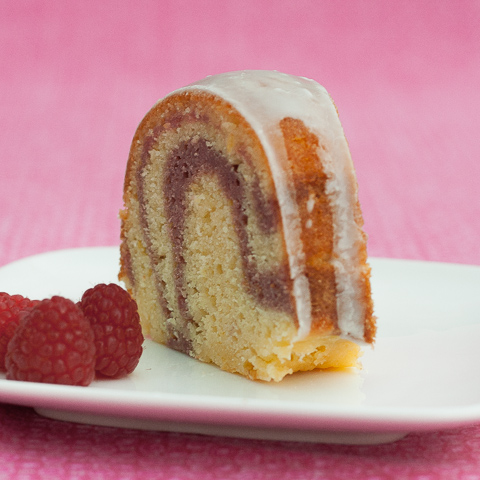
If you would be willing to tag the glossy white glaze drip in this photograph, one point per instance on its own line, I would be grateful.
(264, 98)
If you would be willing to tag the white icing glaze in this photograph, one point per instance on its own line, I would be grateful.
(310, 203)
(264, 98)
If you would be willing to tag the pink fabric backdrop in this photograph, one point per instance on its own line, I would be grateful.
(77, 77)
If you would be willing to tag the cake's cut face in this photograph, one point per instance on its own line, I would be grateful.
(242, 237)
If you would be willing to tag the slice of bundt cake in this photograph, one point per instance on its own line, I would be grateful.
(242, 237)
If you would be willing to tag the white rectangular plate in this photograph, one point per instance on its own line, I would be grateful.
(421, 375)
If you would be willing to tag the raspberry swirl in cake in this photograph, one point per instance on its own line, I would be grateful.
(242, 235)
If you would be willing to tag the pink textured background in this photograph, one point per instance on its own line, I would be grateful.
(77, 77)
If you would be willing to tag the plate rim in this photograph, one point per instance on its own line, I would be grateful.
(219, 410)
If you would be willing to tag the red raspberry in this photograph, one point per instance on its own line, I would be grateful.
(12, 307)
(54, 343)
(116, 324)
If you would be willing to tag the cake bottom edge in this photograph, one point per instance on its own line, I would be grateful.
(278, 359)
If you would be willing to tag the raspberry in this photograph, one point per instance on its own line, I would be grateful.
(54, 343)
(113, 315)
(12, 307)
